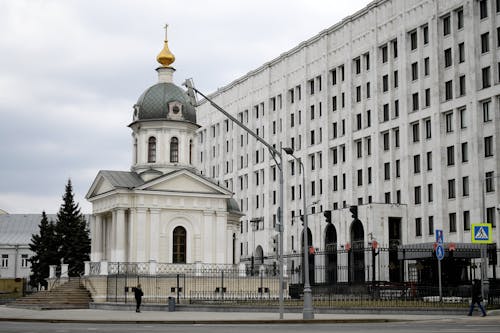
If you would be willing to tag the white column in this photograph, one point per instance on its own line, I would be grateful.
(154, 234)
(120, 235)
(221, 238)
(64, 270)
(87, 268)
(97, 250)
(112, 237)
(141, 235)
(52, 271)
(208, 233)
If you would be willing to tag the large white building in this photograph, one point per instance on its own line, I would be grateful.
(395, 110)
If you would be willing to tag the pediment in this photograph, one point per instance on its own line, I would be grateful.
(101, 186)
(184, 181)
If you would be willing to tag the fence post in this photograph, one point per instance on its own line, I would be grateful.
(222, 284)
(87, 268)
(177, 288)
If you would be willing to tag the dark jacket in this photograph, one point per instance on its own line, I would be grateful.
(138, 293)
(476, 292)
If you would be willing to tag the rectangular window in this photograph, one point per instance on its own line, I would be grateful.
(428, 129)
(452, 217)
(396, 79)
(386, 141)
(446, 25)
(387, 171)
(448, 90)
(465, 153)
(486, 111)
(461, 85)
(451, 189)
(447, 58)
(486, 77)
(357, 65)
(413, 40)
(395, 48)
(5, 261)
(427, 97)
(490, 216)
(396, 137)
(334, 103)
(465, 186)
(387, 197)
(488, 146)
(431, 225)
(483, 9)
(367, 89)
(369, 175)
(368, 118)
(426, 66)
(414, 71)
(342, 73)
(360, 177)
(418, 226)
(461, 52)
(466, 215)
(359, 148)
(385, 114)
(425, 34)
(385, 83)
(367, 60)
(463, 117)
(417, 195)
(429, 160)
(311, 86)
(398, 174)
(415, 132)
(450, 155)
(415, 101)
(430, 193)
(383, 49)
(358, 94)
(396, 109)
(333, 75)
(449, 122)
(335, 183)
(24, 260)
(485, 42)
(460, 18)
(416, 163)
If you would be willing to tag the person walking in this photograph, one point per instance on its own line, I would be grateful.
(476, 298)
(138, 297)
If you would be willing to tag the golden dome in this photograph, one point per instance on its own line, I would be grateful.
(165, 57)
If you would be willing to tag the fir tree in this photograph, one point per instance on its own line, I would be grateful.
(44, 246)
(72, 234)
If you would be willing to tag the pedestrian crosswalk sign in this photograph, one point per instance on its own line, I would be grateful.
(481, 233)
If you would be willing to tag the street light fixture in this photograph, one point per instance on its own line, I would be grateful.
(307, 311)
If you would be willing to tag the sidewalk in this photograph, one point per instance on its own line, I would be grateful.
(190, 317)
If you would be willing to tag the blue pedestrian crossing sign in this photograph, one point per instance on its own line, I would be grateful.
(440, 251)
(481, 233)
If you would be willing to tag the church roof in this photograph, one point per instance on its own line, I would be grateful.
(153, 103)
(17, 229)
(127, 179)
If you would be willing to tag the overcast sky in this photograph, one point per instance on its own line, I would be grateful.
(70, 72)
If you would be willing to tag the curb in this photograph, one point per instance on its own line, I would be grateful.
(209, 322)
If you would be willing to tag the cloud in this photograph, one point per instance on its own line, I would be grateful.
(72, 70)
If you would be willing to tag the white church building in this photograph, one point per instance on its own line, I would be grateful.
(162, 210)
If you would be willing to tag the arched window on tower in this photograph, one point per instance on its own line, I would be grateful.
(179, 246)
(190, 151)
(174, 150)
(152, 150)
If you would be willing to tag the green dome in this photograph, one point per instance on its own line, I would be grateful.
(164, 101)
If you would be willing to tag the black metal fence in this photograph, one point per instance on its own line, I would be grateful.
(354, 277)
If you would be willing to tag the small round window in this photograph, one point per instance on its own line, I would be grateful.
(175, 109)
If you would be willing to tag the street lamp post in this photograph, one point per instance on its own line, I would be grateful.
(307, 311)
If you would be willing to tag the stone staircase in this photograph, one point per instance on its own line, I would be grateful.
(70, 295)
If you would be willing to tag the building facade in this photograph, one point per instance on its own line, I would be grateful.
(394, 113)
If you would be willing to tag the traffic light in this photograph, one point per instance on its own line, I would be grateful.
(328, 216)
(354, 212)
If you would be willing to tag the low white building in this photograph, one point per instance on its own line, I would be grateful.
(16, 231)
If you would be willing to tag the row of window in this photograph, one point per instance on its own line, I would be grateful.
(452, 221)
(174, 150)
(4, 263)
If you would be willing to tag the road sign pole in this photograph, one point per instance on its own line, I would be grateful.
(484, 269)
(440, 286)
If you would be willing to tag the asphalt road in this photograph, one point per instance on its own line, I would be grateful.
(485, 325)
